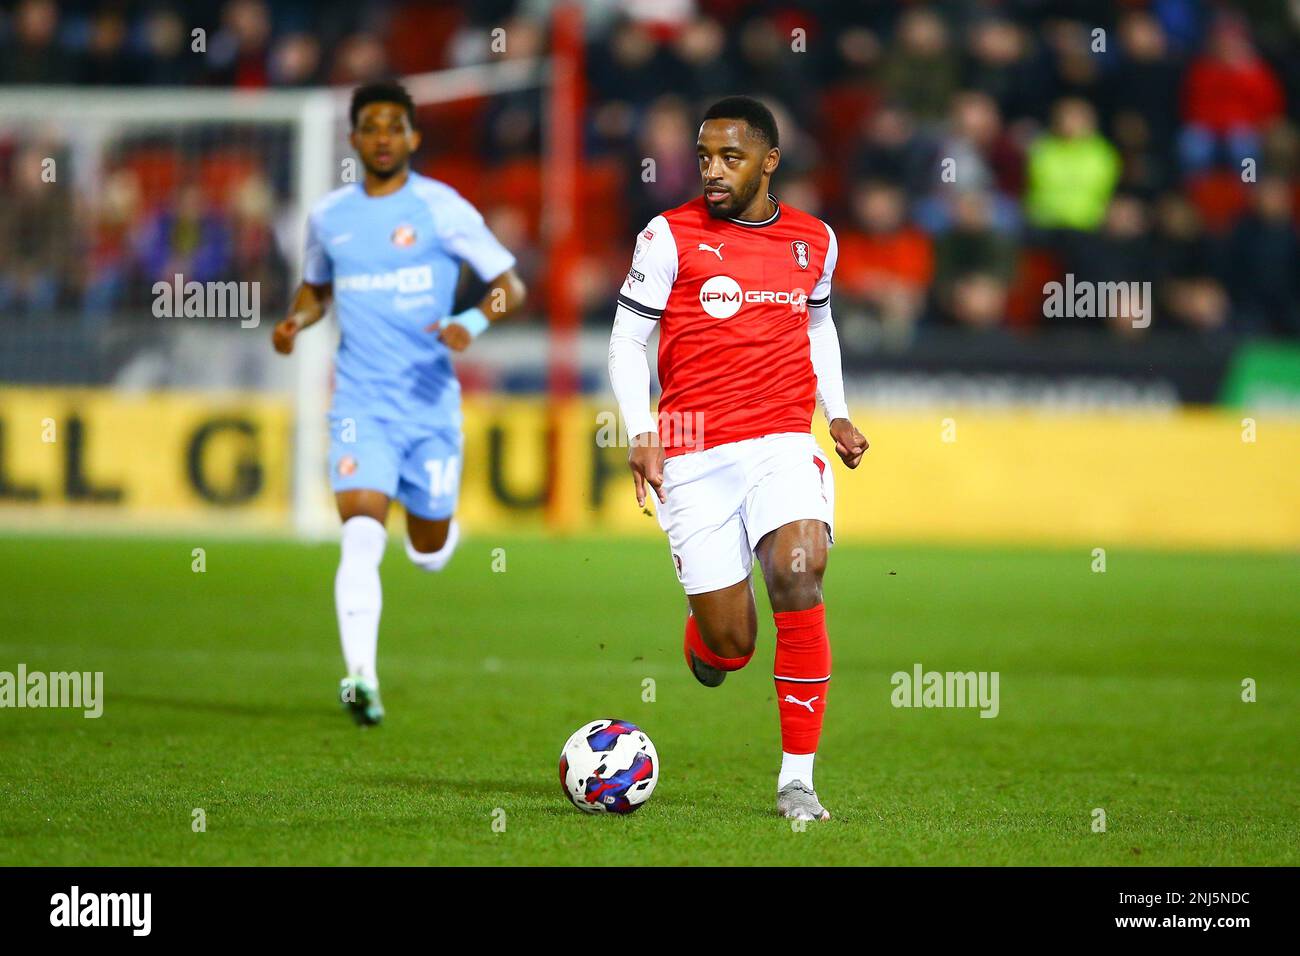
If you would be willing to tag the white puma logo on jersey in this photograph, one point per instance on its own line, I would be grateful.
(717, 252)
(791, 699)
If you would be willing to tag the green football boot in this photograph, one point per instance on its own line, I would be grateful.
(360, 698)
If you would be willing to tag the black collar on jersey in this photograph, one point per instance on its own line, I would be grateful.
(766, 222)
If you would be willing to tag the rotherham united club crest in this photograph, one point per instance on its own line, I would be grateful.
(800, 250)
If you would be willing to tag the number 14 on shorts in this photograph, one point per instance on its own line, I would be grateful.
(444, 475)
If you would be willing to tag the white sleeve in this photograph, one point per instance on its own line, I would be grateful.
(640, 304)
(824, 343)
(821, 293)
(316, 266)
(653, 271)
(628, 371)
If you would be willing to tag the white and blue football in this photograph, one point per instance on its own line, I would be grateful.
(609, 766)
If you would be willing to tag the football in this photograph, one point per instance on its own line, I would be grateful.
(609, 766)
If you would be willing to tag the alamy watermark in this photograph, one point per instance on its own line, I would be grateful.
(921, 688)
(208, 300)
(1098, 300)
(79, 690)
(676, 430)
(75, 908)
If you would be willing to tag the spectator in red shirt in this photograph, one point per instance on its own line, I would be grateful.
(1230, 96)
(237, 55)
(885, 263)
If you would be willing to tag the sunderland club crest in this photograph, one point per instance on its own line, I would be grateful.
(800, 250)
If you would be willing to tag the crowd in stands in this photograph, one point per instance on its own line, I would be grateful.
(965, 153)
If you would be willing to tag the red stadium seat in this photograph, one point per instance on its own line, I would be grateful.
(601, 205)
(518, 183)
(1035, 268)
(222, 173)
(462, 173)
(418, 35)
(453, 127)
(158, 173)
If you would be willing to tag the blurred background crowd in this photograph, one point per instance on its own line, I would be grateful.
(966, 153)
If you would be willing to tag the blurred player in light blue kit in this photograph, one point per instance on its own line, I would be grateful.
(387, 252)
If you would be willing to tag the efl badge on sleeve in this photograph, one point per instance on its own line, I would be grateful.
(642, 244)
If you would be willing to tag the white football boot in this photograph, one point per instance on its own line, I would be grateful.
(795, 801)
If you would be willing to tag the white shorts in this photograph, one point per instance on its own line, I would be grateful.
(721, 501)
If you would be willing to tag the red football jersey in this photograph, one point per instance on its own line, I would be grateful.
(732, 299)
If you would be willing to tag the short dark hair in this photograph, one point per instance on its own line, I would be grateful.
(388, 91)
(758, 116)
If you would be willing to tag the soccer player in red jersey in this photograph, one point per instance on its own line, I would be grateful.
(738, 285)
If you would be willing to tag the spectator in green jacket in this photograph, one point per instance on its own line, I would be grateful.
(1072, 171)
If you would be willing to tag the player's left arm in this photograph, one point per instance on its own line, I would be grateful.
(465, 235)
(505, 294)
(824, 344)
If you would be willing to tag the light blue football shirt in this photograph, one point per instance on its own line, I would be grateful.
(394, 261)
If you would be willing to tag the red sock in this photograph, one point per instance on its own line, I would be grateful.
(694, 642)
(803, 672)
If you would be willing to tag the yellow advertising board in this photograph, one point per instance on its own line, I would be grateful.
(1174, 479)
(88, 457)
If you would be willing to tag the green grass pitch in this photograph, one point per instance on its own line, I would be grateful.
(1118, 690)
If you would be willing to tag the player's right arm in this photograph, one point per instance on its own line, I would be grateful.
(310, 303)
(640, 304)
(312, 300)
